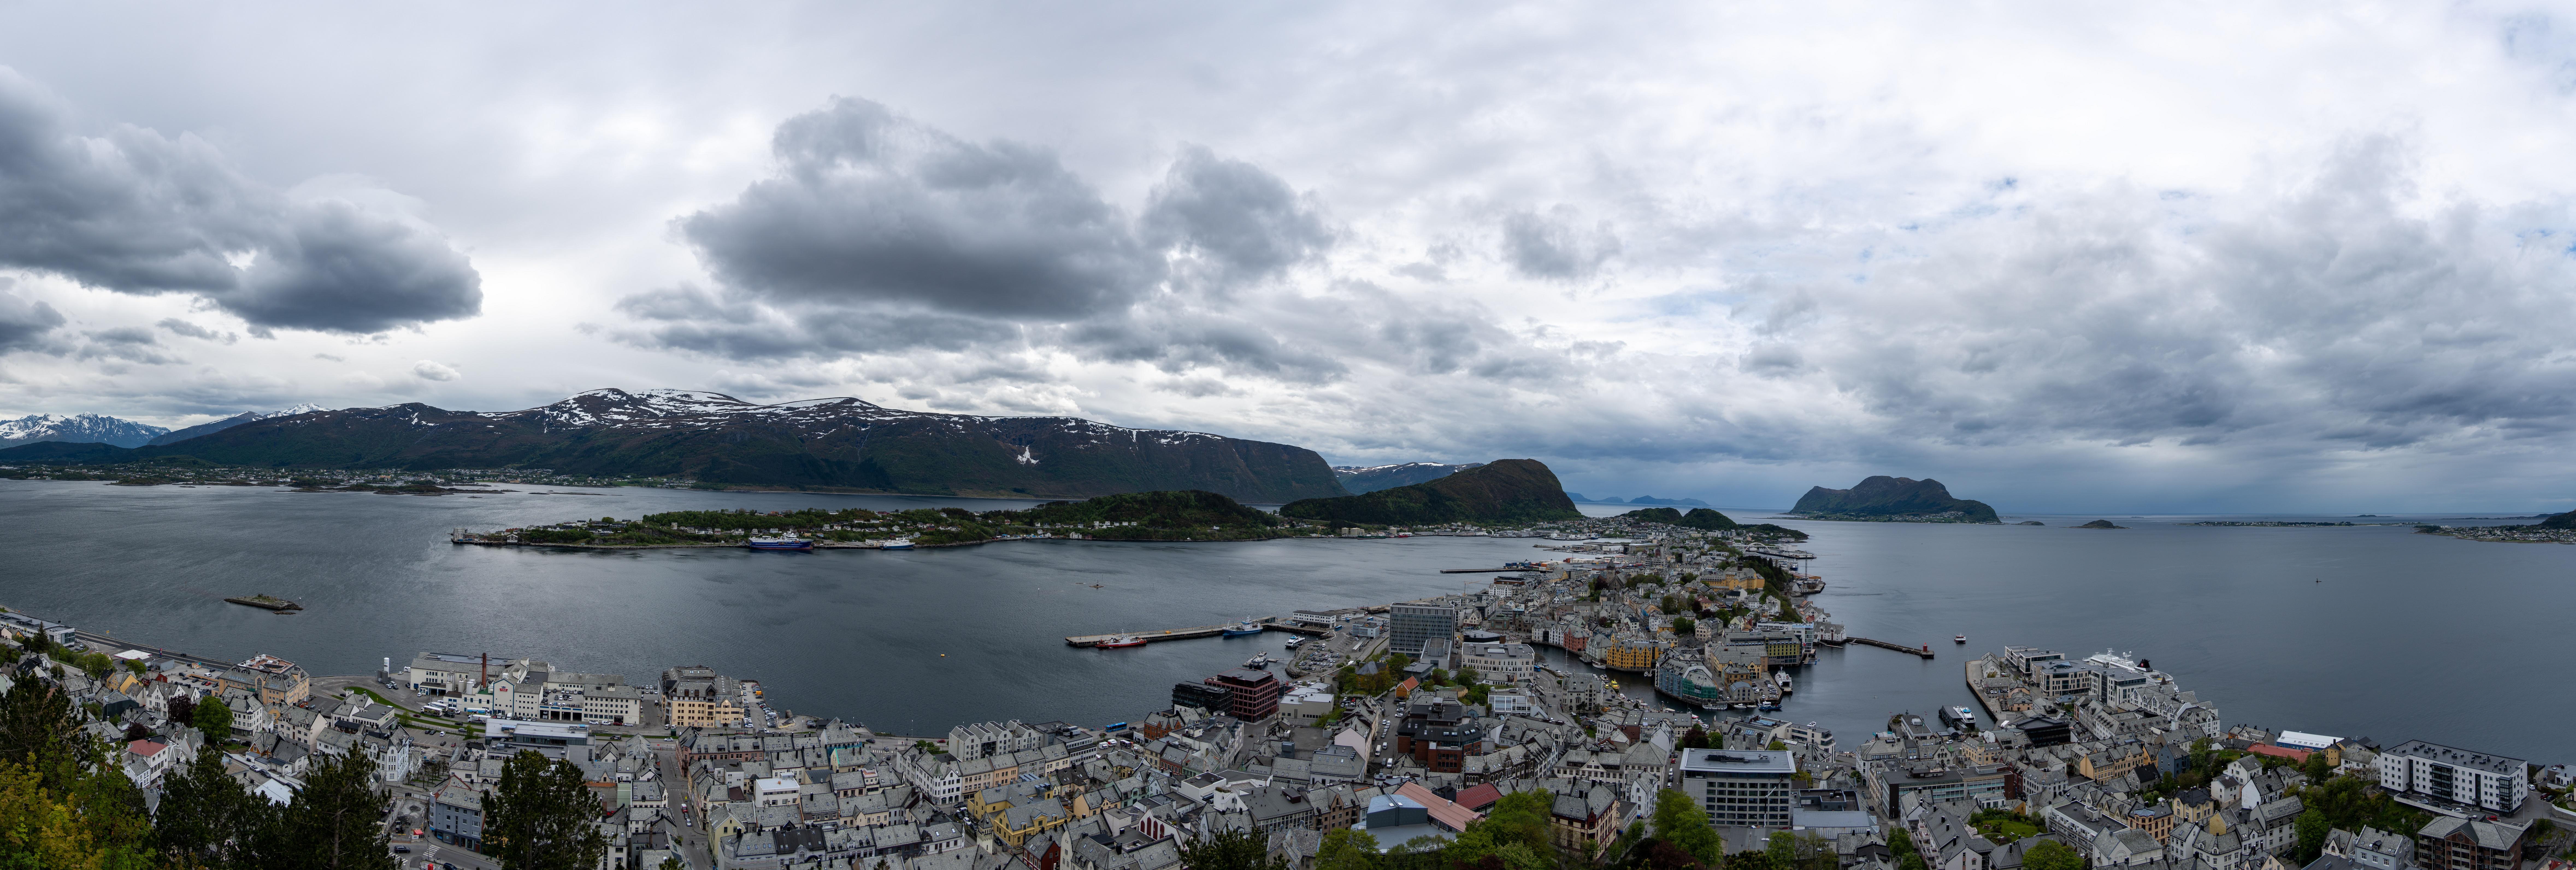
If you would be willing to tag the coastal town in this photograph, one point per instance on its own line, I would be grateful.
(1391, 732)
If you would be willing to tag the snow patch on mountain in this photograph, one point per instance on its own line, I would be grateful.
(77, 429)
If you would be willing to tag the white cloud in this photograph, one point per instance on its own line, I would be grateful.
(434, 371)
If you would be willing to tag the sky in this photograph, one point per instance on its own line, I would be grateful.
(2214, 257)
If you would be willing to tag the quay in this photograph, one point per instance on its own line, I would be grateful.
(1925, 652)
(1480, 570)
(1188, 633)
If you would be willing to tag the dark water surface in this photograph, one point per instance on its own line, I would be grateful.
(2407, 636)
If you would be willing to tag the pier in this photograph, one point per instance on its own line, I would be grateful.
(1189, 633)
(1482, 570)
(1925, 652)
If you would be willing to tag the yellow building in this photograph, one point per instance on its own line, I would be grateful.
(1634, 653)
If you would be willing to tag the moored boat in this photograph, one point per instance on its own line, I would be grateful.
(782, 542)
(899, 544)
(1246, 628)
(1121, 641)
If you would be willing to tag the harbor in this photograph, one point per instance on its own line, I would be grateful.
(1140, 638)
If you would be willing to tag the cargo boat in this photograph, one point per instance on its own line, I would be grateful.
(1246, 628)
(783, 542)
(898, 544)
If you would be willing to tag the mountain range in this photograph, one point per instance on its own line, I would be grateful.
(1504, 490)
(177, 435)
(1371, 478)
(77, 429)
(1881, 498)
(839, 444)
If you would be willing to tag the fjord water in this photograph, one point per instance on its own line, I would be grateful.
(2407, 636)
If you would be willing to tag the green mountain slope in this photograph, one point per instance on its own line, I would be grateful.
(1892, 499)
(1505, 490)
(1698, 518)
(834, 444)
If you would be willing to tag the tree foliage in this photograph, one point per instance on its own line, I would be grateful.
(540, 816)
(2051, 855)
(1231, 850)
(1683, 823)
(214, 717)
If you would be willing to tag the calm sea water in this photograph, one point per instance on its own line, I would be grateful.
(2360, 631)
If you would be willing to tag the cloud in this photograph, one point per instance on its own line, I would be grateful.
(133, 211)
(1554, 245)
(434, 371)
(1234, 220)
(181, 327)
(128, 343)
(870, 207)
(331, 357)
(24, 322)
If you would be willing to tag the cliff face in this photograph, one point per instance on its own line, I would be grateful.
(1893, 499)
(1505, 490)
(843, 444)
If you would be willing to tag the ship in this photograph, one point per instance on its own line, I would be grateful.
(1258, 661)
(782, 542)
(1959, 638)
(1296, 642)
(899, 544)
(1246, 628)
(265, 601)
(1959, 717)
(1783, 677)
(1121, 641)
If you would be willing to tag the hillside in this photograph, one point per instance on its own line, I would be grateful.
(1698, 518)
(832, 444)
(2560, 521)
(1892, 499)
(76, 429)
(1367, 479)
(1191, 515)
(1505, 490)
(177, 435)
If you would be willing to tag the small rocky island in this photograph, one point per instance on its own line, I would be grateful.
(2101, 524)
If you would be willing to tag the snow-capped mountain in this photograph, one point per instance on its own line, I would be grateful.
(1371, 478)
(834, 443)
(76, 429)
(232, 421)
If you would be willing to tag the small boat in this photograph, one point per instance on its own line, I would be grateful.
(1246, 628)
(1296, 642)
(1959, 638)
(1770, 705)
(1783, 677)
(899, 544)
(782, 542)
(1121, 641)
(1258, 661)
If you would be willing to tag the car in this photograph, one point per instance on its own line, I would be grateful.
(400, 849)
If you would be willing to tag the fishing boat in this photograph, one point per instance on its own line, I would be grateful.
(1121, 641)
(899, 544)
(1246, 628)
(781, 542)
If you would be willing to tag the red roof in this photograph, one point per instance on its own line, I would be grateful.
(144, 748)
(2300, 755)
(1482, 796)
(1443, 812)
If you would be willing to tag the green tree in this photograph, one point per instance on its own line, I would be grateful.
(205, 818)
(1682, 822)
(2315, 767)
(332, 822)
(214, 718)
(2312, 827)
(1346, 849)
(1232, 850)
(2051, 855)
(540, 817)
(64, 798)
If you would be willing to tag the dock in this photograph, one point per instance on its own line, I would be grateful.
(1925, 652)
(1190, 633)
(1481, 570)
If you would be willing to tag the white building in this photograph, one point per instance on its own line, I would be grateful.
(1500, 662)
(2459, 776)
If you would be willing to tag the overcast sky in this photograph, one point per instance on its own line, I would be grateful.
(2167, 258)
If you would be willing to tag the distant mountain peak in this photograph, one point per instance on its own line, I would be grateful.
(77, 429)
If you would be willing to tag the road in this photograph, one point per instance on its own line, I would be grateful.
(675, 786)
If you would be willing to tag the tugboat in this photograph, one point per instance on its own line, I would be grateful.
(1121, 642)
(782, 542)
(1246, 628)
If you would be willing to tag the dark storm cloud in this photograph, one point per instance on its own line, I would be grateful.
(137, 212)
(24, 322)
(869, 207)
(1554, 246)
(1242, 221)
